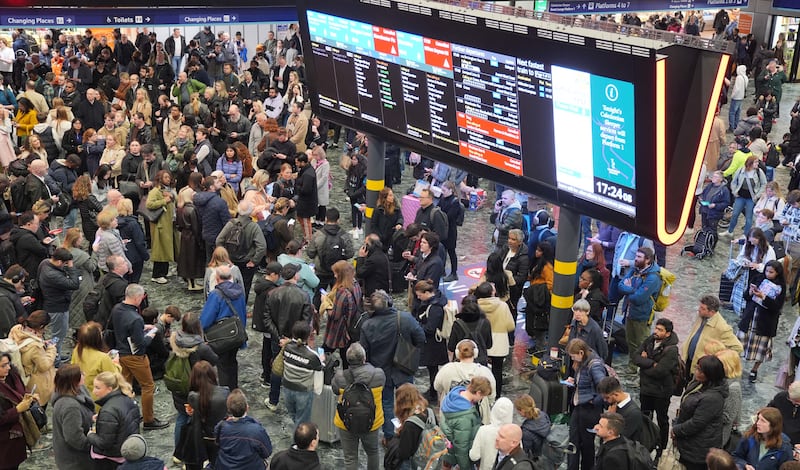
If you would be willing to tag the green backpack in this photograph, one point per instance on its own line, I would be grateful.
(176, 374)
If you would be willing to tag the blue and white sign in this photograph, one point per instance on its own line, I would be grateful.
(567, 7)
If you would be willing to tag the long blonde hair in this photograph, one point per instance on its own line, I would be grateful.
(115, 381)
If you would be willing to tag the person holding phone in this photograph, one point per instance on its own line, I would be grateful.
(37, 355)
(15, 402)
(713, 201)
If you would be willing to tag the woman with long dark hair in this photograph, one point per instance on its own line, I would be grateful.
(130, 229)
(759, 323)
(497, 275)
(589, 289)
(73, 409)
(25, 119)
(356, 190)
(387, 217)
(189, 343)
(698, 426)
(430, 314)
(450, 204)
(754, 255)
(73, 141)
(206, 407)
(764, 446)
(192, 248)
(88, 206)
(537, 295)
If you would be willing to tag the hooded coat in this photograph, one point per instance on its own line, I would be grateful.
(38, 360)
(483, 448)
(430, 315)
(71, 414)
(698, 426)
(195, 348)
(213, 214)
(460, 422)
(502, 323)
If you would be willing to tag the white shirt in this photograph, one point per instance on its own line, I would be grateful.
(7, 60)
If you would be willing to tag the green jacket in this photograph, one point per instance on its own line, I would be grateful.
(460, 427)
(193, 85)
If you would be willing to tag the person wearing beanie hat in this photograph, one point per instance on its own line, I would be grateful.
(134, 451)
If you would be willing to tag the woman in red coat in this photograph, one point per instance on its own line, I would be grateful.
(13, 402)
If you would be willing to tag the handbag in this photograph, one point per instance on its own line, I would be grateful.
(406, 355)
(733, 441)
(152, 215)
(565, 337)
(127, 188)
(62, 206)
(733, 271)
(670, 459)
(277, 363)
(228, 333)
(783, 378)
(38, 414)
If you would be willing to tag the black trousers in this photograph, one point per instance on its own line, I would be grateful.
(160, 269)
(583, 417)
(659, 406)
(228, 369)
(247, 278)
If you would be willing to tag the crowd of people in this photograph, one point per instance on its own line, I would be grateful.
(182, 154)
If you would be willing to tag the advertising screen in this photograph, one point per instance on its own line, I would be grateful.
(483, 105)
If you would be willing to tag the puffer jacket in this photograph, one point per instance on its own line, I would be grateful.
(590, 372)
(483, 448)
(70, 414)
(119, 417)
(534, 433)
(434, 353)
(59, 283)
(370, 376)
(748, 450)
(499, 316)
(657, 381)
(698, 426)
(196, 349)
(460, 423)
(38, 360)
(213, 214)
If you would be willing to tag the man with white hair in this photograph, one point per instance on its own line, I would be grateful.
(237, 128)
(35, 187)
(252, 245)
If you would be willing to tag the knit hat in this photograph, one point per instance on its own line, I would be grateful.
(134, 448)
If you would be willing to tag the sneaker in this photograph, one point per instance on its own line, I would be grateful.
(265, 384)
(155, 424)
(270, 406)
(176, 460)
(159, 280)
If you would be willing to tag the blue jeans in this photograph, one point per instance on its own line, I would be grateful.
(59, 326)
(733, 114)
(180, 421)
(387, 401)
(741, 204)
(70, 219)
(298, 404)
(176, 64)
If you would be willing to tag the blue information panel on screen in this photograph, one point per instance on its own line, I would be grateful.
(788, 4)
(593, 121)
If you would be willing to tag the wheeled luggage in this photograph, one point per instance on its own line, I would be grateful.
(550, 395)
(323, 411)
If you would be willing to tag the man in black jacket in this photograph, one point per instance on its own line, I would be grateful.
(132, 340)
(622, 403)
(263, 287)
(286, 305)
(788, 403)
(657, 359)
(113, 285)
(59, 279)
(29, 249)
(612, 453)
(379, 338)
(510, 454)
(372, 265)
(281, 150)
(11, 300)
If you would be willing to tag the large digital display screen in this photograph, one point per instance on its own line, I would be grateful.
(510, 112)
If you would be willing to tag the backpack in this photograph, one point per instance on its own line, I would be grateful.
(268, 229)
(19, 199)
(704, 243)
(650, 435)
(91, 304)
(10, 347)
(481, 356)
(433, 444)
(638, 455)
(333, 250)
(460, 215)
(233, 241)
(610, 372)
(356, 321)
(357, 408)
(556, 446)
(448, 318)
(8, 254)
(176, 374)
(437, 212)
(772, 158)
(679, 376)
(661, 301)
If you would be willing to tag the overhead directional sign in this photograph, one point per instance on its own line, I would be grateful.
(73, 17)
(567, 7)
(788, 4)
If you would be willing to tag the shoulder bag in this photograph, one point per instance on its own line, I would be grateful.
(228, 333)
(406, 355)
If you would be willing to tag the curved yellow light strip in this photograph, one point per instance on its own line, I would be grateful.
(664, 235)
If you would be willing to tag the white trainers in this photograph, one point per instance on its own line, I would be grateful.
(160, 280)
(269, 405)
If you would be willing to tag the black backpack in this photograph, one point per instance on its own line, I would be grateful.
(19, 199)
(8, 254)
(233, 241)
(91, 304)
(638, 455)
(333, 250)
(650, 435)
(773, 157)
(268, 229)
(357, 407)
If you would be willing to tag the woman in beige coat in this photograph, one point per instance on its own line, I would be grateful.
(38, 356)
(502, 322)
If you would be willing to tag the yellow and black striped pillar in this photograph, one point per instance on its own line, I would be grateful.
(375, 176)
(566, 263)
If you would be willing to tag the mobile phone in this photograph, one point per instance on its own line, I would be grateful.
(55, 231)
(567, 383)
(33, 389)
(357, 206)
(323, 292)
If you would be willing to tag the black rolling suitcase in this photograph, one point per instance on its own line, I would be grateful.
(549, 395)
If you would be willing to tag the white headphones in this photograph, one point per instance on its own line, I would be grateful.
(474, 348)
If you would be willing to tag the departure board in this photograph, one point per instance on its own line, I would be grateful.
(468, 100)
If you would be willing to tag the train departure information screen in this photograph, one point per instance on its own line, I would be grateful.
(510, 113)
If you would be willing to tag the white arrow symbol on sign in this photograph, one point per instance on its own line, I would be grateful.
(233, 18)
(147, 19)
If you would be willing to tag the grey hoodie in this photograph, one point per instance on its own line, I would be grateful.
(740, 83)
